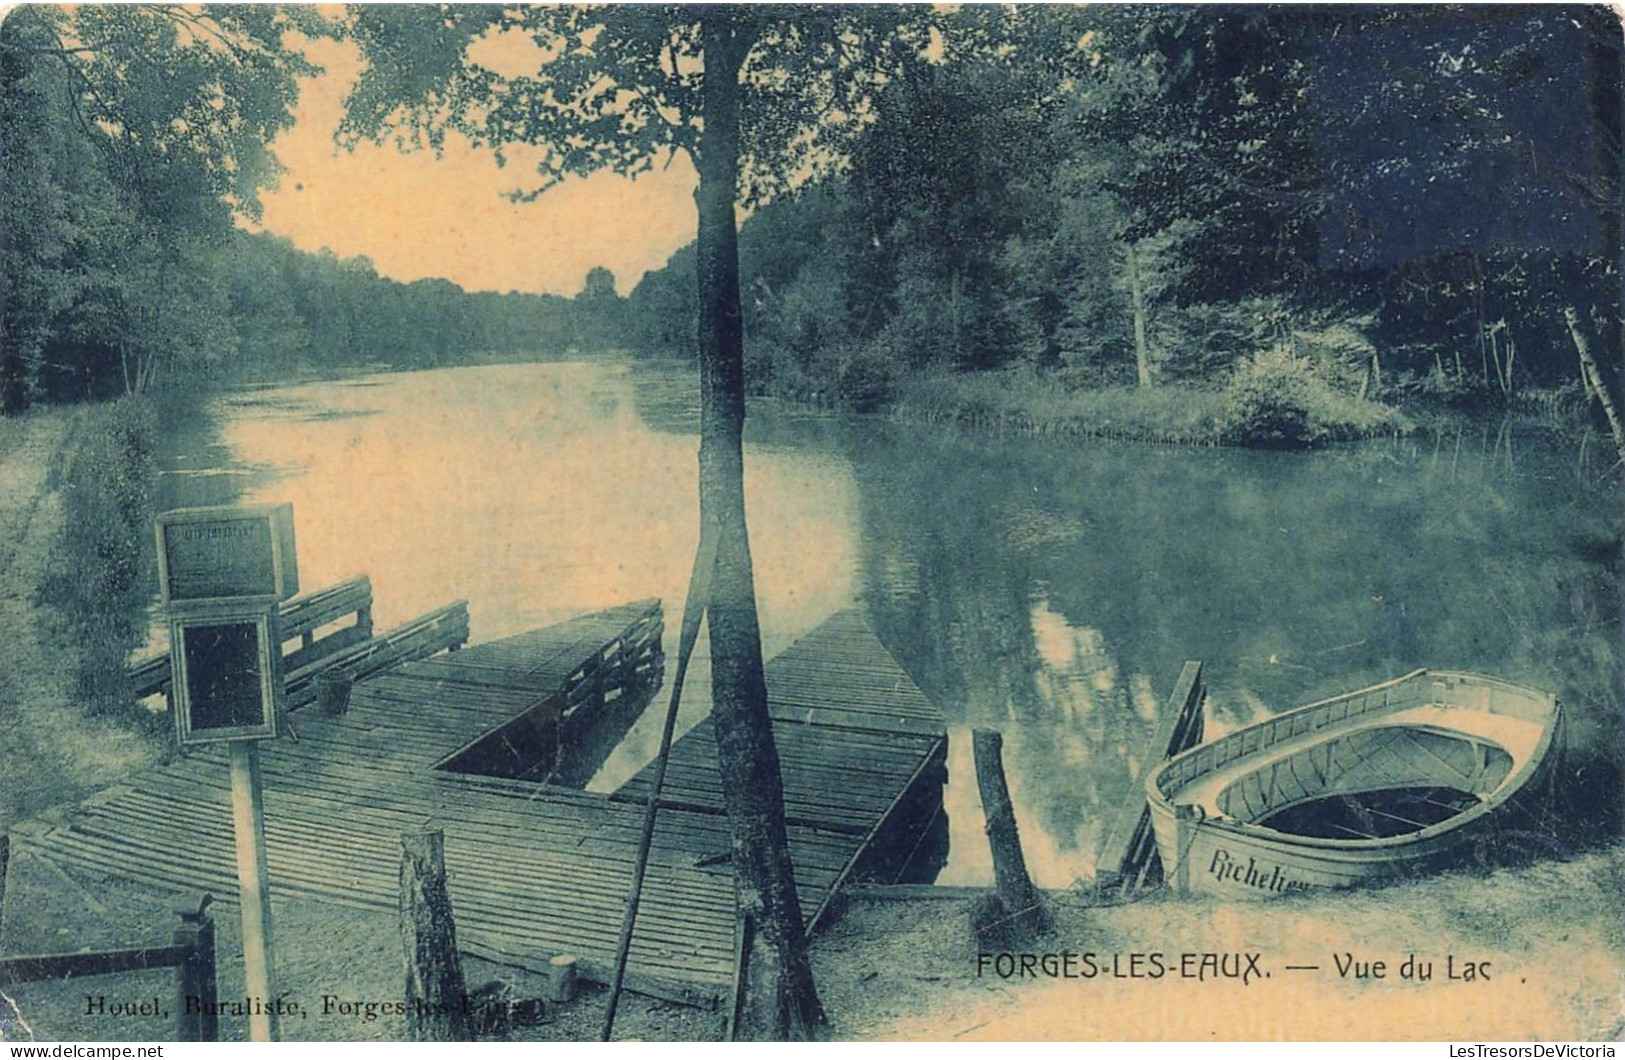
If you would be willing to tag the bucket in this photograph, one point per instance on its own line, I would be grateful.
(333, 691)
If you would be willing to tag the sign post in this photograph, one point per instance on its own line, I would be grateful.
(254, 888)
(222, 572)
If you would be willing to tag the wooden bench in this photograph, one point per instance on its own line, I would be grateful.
(351, 648)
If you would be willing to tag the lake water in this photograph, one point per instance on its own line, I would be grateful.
(1048, 587)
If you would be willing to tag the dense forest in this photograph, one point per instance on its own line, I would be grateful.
(134, 144)
(1295, 217)
(1357, 203)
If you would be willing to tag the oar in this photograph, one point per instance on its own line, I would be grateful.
(693, 610)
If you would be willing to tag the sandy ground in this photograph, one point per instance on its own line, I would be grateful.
(331, 961)
(1551, 934)
(1544, 943)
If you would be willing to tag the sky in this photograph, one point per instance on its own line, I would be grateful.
(415, 215)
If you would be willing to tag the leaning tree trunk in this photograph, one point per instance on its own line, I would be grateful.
(777, 998)
(1593, 378)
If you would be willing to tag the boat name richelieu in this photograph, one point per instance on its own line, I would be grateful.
(1268, 878)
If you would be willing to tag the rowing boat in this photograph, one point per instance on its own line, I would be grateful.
(1385, 782)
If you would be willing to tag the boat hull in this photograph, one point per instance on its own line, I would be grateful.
(1481, 735)
(1212, 857)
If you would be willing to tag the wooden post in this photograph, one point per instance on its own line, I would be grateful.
(1125, 858)
(5, 860)
(437, 1008)
(333, 689)
(254, 888)
(699, 582)
(1186, 818)
(197, 1018)
(1014, 888)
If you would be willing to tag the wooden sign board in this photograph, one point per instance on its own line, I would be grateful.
(227, 679)
(227, 553)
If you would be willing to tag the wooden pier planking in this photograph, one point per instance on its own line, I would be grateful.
(536, 870)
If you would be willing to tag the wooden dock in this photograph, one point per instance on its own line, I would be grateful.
(538, 869)
(860, 747)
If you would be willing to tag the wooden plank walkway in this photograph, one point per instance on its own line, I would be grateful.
(535, 869)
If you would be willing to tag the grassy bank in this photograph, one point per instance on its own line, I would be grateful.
(71, 479)
(1270, 402)
(98, 577)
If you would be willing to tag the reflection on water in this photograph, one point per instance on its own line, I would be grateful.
(1054, 588)
(1050, 588)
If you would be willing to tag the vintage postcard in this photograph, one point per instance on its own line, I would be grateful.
(859, 522)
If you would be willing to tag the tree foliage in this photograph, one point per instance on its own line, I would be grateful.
(615, 87)
(134, 140)
(1443, 182)
(133, 135)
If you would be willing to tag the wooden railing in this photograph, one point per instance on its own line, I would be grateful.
(574, 716)
(301, 618)
(351, 649)
(627, 662)
(196, 1008)
(443, 629)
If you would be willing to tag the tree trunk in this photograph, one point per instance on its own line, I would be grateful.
(13, 383)
(13, 376)
(1015, 888)
(1477, 273)
(777, 998)
(1142, 355)
(1594, 380)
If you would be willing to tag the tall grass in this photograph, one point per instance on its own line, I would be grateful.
(98, 578)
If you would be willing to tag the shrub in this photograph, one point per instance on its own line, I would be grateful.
(868, 378)
(1269, 399)
(1276, 399)
(1455, 390)
(99, 576)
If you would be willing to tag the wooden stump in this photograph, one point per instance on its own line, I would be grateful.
(561, 979)
(437, 1005)
(1015, 911)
